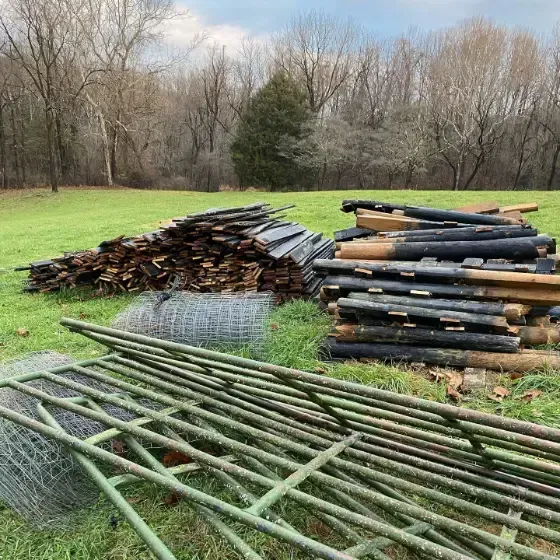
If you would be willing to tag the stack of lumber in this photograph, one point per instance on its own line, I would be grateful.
(471, 287)
(221, 250)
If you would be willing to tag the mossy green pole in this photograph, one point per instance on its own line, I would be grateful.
(384, 530)
(489, 420)
(388, 479)
(218, 506)
(154, 543)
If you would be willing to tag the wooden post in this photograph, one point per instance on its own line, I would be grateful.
(425, 213)
(511, 311)
(423, 314)
(539, 297)
(527, 360)
(535, 336)
(514, 249)
(426, 337)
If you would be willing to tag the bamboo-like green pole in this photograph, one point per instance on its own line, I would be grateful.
(370, 458)
(419, 513)
(369, 414)
(304, 543)
(282, 488)
(500, 422)
(154, 543)
(454, 473)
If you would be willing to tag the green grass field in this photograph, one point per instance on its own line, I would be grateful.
(35, 224)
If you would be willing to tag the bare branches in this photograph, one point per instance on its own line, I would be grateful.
(319, 50)
(94, 92)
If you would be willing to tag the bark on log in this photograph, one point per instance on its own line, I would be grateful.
(511, 311)
(422, 313)
(527, 360)
(540, 311)
(541, 321)
(513, 249)
(466, 275)
(472, 229)
(533, 336)
(457, 234)
(427, 337)
(346, 284)
(431, 214)
(347, 266)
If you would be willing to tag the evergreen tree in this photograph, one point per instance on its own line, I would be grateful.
(275, 119)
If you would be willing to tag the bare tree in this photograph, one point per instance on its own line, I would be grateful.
(319, 50)
(39, 36)
(466, 80)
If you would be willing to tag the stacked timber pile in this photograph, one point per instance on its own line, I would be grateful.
(221, 250)
(451, 287)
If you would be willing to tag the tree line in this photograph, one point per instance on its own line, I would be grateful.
(92, 93)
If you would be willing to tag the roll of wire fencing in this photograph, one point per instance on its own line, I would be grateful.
(39, 479)
(221, 321)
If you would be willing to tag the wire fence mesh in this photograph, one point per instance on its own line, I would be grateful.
(39, 479)
(221, 321)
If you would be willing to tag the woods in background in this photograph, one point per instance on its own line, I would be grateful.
(91, 93)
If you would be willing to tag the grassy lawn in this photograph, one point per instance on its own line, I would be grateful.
(35, 225)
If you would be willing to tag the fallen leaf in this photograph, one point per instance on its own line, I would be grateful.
(515, 376)
(498, 394)
(134, 500)
(22, 332)
(320, 370)
(172, 499)
(454, 379)
(501, 391)
(175, 458)
(320, 529)
(453, 393)
(118, 448)
(528, 396)
(274, 327)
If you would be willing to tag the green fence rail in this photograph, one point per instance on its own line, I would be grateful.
(377, 467)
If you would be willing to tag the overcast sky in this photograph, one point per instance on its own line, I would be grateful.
(226, 21)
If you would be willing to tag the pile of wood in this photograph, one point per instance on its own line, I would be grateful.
(221, 250)
(471, 287)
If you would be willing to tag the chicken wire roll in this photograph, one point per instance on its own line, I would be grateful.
(223, 321)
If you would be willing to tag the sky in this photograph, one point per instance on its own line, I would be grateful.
(227, 21)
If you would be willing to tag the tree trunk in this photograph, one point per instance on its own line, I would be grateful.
(457, 175)
(106, 150)
(51, 147)
(62, 156)
(553, 167)
(114, 146)
(322, 177)
(409, 174)
(21, 149)
(15, 150)
(521, 160)
(2, 148)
